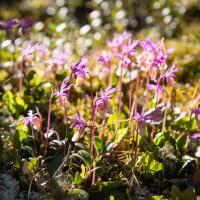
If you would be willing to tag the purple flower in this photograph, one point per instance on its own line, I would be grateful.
(34, 120)
(8, 27)
(197, 110)
(154, 53)
(57, 60)
(197, 115)
(25, 25)
(78, 123)
(161, 58)
(170, 74)
(142, 123)
(193, 136)
(129, 48)
(102, 103)
(63, 93)
(153, 116)
(41, 50)
(103, 60)
(159, 90)
(142, 118)
(125, 62)
(148, 45)
(27, 53)
(80, 70)
(119, 41)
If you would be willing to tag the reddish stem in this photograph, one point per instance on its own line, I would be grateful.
(92, 131)
(147, 95)
(119, 96)
(21, 76)
(49, 120)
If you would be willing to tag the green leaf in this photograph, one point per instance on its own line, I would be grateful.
(160, 139)
(188, 194)
(23, 132)
(121, 133)
(32, 164)
(108, 147)
(54, 163)
(188, 160)
(181, 142)
(29, 76)
(148, 165)
(98, 144)
(112, 119)
(155, 197)
(112, 197)
(15, 103)
(77, 194)
(83, 169)
(78, 179)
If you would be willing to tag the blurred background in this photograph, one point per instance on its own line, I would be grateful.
(87, 23)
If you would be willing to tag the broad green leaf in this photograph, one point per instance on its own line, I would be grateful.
(82, 174)
(15, 103)
(77, 194)
(108, 147)
(112, 119)
(160, 139)
(78, 179)
(54, 163)
(23, 132)
(155, 197)
(148, 165)
(112, 197)
(187, 161)
(98, 143)
(181, 142)
(121, 133)
(188, 194)
(32, 164)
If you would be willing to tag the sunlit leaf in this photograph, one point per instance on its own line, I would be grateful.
(121, 133)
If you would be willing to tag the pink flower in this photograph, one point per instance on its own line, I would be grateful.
(148, 45)
(170, 74)
(125, 62)
(41, 50)
(129, 48)
(34, 120)
(102, 103)
(119, 41)
(63, 94)
(80, 70)
(27, 53)
(103, 60)
(78, 123)
(8, 27)
(142, 123)
(197, 115)
(153, 116)
(25, 25)
(57, 60)
(154, 52)
(159, 90)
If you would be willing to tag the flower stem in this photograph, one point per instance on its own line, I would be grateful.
(49, 121)
(92, 132)
(21, 77)
(134, 157)
(119, 97)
